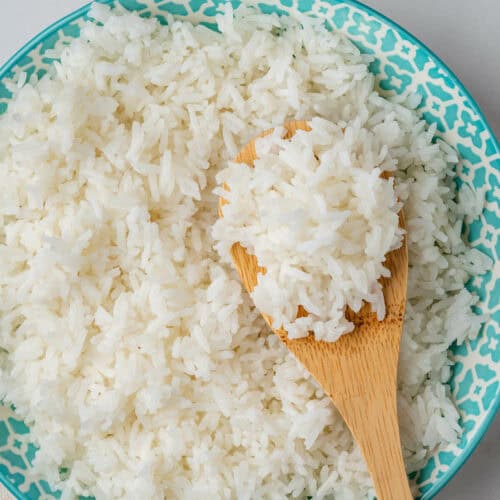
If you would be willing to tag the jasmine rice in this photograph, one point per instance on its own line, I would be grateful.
(127, 342)
(319, 218)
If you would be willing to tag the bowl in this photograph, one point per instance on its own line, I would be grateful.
(401, 63)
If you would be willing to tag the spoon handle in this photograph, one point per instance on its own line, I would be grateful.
(374, 424)
(361, 381)
(358, 372)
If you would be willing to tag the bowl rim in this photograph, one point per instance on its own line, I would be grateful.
(481, 431)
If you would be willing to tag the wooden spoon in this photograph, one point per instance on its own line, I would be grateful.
(358, 371)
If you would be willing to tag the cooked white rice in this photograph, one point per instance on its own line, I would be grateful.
(131, 350)
(319, 218)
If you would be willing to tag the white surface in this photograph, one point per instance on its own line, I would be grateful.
(463, 33)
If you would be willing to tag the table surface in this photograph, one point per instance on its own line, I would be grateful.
(456, 30)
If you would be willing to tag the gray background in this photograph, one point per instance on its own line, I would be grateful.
(465, 34)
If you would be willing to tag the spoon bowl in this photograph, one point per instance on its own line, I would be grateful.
(358, 371)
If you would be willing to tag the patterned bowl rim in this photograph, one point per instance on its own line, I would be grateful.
(493, 410)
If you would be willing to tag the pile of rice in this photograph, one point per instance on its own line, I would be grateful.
(139, 362)
(319, 218)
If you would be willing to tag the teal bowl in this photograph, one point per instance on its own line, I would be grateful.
(401, 63)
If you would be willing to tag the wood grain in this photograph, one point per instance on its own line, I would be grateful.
(358, 372)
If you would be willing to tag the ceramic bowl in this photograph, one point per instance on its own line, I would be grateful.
(401, 63)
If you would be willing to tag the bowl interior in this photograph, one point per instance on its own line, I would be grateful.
(401, 63)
